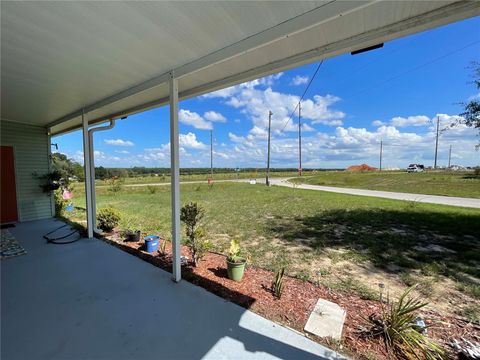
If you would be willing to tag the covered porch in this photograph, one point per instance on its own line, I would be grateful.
(91, 300)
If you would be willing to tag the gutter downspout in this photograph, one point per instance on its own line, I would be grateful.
(92, 171)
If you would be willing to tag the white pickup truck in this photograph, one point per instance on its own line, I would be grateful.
(415, 168)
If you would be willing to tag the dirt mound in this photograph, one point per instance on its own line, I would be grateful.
(363, 167)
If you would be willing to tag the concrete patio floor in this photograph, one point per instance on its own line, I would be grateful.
(90, 300)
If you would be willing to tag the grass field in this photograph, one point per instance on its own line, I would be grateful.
(165, 178)
(462, 184)
(343, 241)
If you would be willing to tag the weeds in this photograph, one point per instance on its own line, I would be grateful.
(470, 289)
(351, 285)
(152, 189)
(471, 313)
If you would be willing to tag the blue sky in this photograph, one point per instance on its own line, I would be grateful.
(391, 94)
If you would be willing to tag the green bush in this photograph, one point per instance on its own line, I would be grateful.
(115, 184)
(476, 172)
(192, 214)
(108, 218)
(60, 203)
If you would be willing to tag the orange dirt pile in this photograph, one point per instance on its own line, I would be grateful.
(363, 167)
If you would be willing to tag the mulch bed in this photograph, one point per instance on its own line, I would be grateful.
(297, 301)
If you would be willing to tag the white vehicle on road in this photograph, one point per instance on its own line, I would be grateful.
(415, 168)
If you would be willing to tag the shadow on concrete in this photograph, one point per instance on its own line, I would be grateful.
(90, 300)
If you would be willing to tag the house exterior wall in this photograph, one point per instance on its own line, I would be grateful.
(31, 155)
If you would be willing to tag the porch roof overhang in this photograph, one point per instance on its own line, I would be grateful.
(115, 59)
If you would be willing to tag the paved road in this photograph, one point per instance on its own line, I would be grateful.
(432, 199)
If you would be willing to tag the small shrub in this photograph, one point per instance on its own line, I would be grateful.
(60, 203)
(108, 218)
(476, 172)
(396, 325)
(192, 214)
(277, 284)
(152, 189)
(115, 184)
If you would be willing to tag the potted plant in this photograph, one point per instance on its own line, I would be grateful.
(131, 235)
(235, 263)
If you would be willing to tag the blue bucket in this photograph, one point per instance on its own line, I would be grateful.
(151, 243)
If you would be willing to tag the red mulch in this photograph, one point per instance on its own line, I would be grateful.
(297, 301)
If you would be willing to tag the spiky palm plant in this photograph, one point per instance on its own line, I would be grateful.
(396, 324)
(277, 284)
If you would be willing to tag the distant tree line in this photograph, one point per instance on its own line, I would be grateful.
(72, 169)
(138, 171)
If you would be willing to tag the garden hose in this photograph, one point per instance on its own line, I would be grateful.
(55, 240)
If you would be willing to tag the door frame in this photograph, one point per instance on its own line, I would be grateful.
(14, 150)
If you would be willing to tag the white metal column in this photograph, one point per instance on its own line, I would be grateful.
(88, 184)
(175, 178)
(111, 125)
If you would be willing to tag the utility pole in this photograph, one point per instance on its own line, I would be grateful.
(267, 181)
(436, 143)
(381, 153)
(449, 156)
(211, 154)
(299, 138)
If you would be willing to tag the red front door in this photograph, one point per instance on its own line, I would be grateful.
(8, 190)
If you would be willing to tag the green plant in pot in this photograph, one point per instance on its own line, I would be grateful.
(235, 262)
(131, 235)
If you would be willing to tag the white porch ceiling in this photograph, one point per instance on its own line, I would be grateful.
(113, 58)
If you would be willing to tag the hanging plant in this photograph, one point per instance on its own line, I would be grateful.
(50, 181)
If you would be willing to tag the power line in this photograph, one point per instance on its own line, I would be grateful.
(415, 68)
(303, 95)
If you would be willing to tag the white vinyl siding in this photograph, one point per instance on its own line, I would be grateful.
(30, 148)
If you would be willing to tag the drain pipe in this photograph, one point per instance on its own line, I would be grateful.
(92, 171)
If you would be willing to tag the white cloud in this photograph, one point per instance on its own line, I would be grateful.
(256, 103)
(299, 80)
(230, 91)
(122, 152)
(378, 123)
(190, 141)
(418, 120)
(119, 142)
(214, 116)
(192, 118)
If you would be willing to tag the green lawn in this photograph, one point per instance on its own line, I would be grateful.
(461, 184)
(335, 234)
(165, 178)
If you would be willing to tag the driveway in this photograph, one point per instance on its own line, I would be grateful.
(432, 199)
